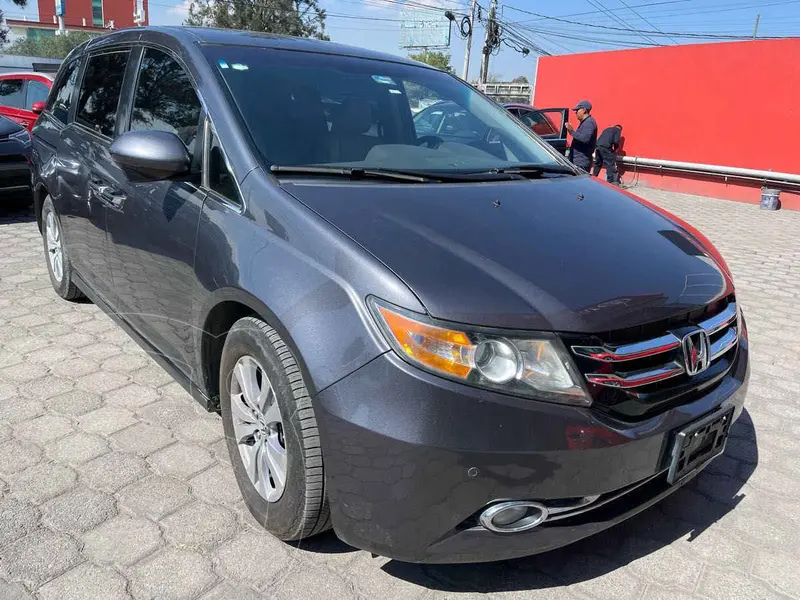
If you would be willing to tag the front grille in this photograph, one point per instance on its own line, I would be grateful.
(637, 373)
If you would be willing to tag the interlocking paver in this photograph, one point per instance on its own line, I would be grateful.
(38, 557)
(17, 518)
(42, 482)
(78, 510)
(142, 438)
(122, 540)
(113, 481)
(43, 429)
(74, 403)
(86, 582)
(77, 449)
(172, 574)
(155, 496)
(181, 460)
(200, 525)
(114, 470)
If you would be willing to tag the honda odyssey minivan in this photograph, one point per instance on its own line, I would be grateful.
(447, 350)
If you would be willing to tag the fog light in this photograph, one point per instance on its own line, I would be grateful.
(513, 517)
(497, 361)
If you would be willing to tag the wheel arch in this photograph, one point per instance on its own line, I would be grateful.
(227, 306)
(40, 192)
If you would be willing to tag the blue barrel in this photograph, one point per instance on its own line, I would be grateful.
(770, 199)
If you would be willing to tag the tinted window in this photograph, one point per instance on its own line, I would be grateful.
(304, 108)
(220, 178)
(99, 97)
(537, 122)
(37, 92)
(61, 99)
(165, 99)
(11, 93)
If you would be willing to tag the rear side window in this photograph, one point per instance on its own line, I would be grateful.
(100, 90)
(37, 92)
(61, 99)
(165, 99)
(11, 93)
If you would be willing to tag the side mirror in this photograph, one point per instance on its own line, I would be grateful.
(151, 155)
(37, 107)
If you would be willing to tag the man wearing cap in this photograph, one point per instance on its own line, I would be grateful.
(584, 138)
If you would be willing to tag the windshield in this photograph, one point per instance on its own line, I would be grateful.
(315, 109)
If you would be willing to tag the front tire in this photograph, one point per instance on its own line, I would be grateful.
(271, 432)
(56, 255)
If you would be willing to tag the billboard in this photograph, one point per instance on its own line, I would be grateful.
(424, 29)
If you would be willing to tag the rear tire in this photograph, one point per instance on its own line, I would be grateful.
(56, 254)
(271, 432)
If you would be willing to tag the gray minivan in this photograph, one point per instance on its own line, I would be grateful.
(448, 350)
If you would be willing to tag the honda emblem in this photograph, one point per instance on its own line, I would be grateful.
(696, 350)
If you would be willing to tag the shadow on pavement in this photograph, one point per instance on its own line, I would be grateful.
(691, 510)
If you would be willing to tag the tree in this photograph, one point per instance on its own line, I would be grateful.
(440, 60)
(3, 28)
(57, 46)
(520, 79)
(301, 18)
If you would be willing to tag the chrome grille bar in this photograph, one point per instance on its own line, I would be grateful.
(636, 378)
(721, 320)
(722, 324)
(725, 343)
(658, 345)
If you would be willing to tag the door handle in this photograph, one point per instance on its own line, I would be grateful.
(110, 196)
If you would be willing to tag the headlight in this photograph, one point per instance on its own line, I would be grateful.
(533, 365)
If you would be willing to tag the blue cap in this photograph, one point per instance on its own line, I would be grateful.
(583, 104)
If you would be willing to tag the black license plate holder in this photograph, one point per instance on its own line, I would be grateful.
(698, 443)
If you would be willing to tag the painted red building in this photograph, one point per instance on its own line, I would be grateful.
(731, 104)
(82, 15)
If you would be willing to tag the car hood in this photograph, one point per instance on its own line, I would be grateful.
(561, 254)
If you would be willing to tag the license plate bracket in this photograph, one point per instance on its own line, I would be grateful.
(698, 443)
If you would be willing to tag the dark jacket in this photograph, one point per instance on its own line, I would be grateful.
(584, 140)
(609, 138)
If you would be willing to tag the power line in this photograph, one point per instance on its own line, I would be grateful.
(636, 31)
(601, 6)
(634, 11)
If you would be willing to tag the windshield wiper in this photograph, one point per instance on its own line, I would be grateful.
(351, 172)
(534, 170)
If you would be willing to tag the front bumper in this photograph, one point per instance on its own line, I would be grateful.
(15, 177)
(411, 458)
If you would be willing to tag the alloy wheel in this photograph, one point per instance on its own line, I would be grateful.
(258, 427)
(54, 249)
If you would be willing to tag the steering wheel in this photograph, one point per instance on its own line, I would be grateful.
(432, 141)
(492, 136)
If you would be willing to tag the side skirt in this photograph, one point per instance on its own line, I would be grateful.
(151, 350)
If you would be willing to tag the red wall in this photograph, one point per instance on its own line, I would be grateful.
(733, 104)
(120, 11)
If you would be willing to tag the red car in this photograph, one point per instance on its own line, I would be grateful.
(23, 95)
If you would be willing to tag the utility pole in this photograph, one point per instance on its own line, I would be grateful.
(755, 29)
(488, 46)
(469, 40)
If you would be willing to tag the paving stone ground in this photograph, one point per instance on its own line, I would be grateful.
(102, 497)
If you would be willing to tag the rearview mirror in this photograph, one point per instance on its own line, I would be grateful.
(151, 155)
(37, 107)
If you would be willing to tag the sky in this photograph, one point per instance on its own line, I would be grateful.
(584, 25)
